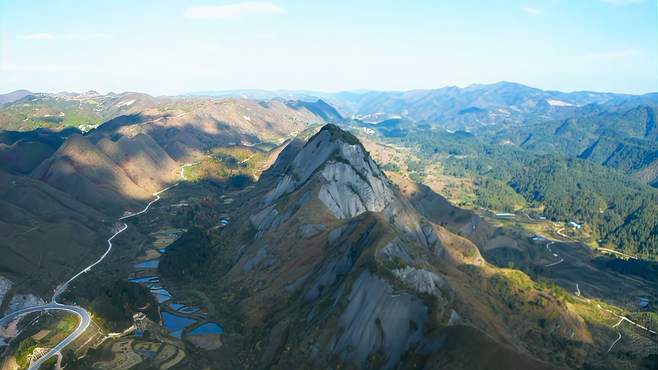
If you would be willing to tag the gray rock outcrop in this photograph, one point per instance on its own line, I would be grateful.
(353, 183)
(376, 320)
(420, 280)
(308, 231)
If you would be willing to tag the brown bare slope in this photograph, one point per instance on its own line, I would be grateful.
(143, 160)
(82, 170)
(44, 233)
(196, 125)
(21, 152)
(75, 180)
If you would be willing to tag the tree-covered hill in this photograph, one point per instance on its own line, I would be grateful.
(626, 140)
(621, 212)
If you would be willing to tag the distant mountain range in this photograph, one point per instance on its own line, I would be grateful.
(455, 108)
(616, 130)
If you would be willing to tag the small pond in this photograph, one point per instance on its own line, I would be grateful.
(145, 279)
(148, 264)
(161, 294)
(209, 328)
(175, 324)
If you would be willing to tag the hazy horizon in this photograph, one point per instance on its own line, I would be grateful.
(200, 92)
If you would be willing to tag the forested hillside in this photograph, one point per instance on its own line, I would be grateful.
(621, 212)
(624, 139)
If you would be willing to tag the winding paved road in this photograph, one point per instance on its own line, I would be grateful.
(615, 342)
(578, 294)
(83, 315)
(548, 247)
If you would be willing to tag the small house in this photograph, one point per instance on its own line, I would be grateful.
(576, 225)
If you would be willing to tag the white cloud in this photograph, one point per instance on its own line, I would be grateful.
(232, 10)
(531, 10)
(622, 2)
(37, 36)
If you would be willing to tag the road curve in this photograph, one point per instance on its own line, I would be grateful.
(548, 247)
(83, 315)
(62, 288)
(579, 293)
(615, 342)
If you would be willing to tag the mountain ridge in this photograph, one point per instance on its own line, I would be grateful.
(320, 256)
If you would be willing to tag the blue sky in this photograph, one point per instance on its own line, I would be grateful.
(171, 46)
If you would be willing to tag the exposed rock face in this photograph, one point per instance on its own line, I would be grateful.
(336, 233)
(270, 219)
(307, 231)
(350, 183)
(422, 281)
(334, 176)
(263, 220)
(343, 272)
(285, 186)
(260, 256)
(348, 194)
(394, 249)
(353, 183)
(454, 318)
(377, 320)
(330, 274)
(428, 237)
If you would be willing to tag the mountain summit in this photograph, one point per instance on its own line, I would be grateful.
(343, 177)
(336, 267)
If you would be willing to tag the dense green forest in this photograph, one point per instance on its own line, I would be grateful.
(113, 302)
(625, 140)
(620, 212)
(188, 257)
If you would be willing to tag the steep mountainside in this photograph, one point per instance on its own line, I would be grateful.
(82, 169)
(21, 152)
(122, 162)
(59, 184)
(201, 124)
(329, 264)
(44, 233)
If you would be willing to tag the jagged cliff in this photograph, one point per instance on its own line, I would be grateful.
(337, 269)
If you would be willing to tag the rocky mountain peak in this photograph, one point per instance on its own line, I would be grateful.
(335, 170)
(351, 182)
